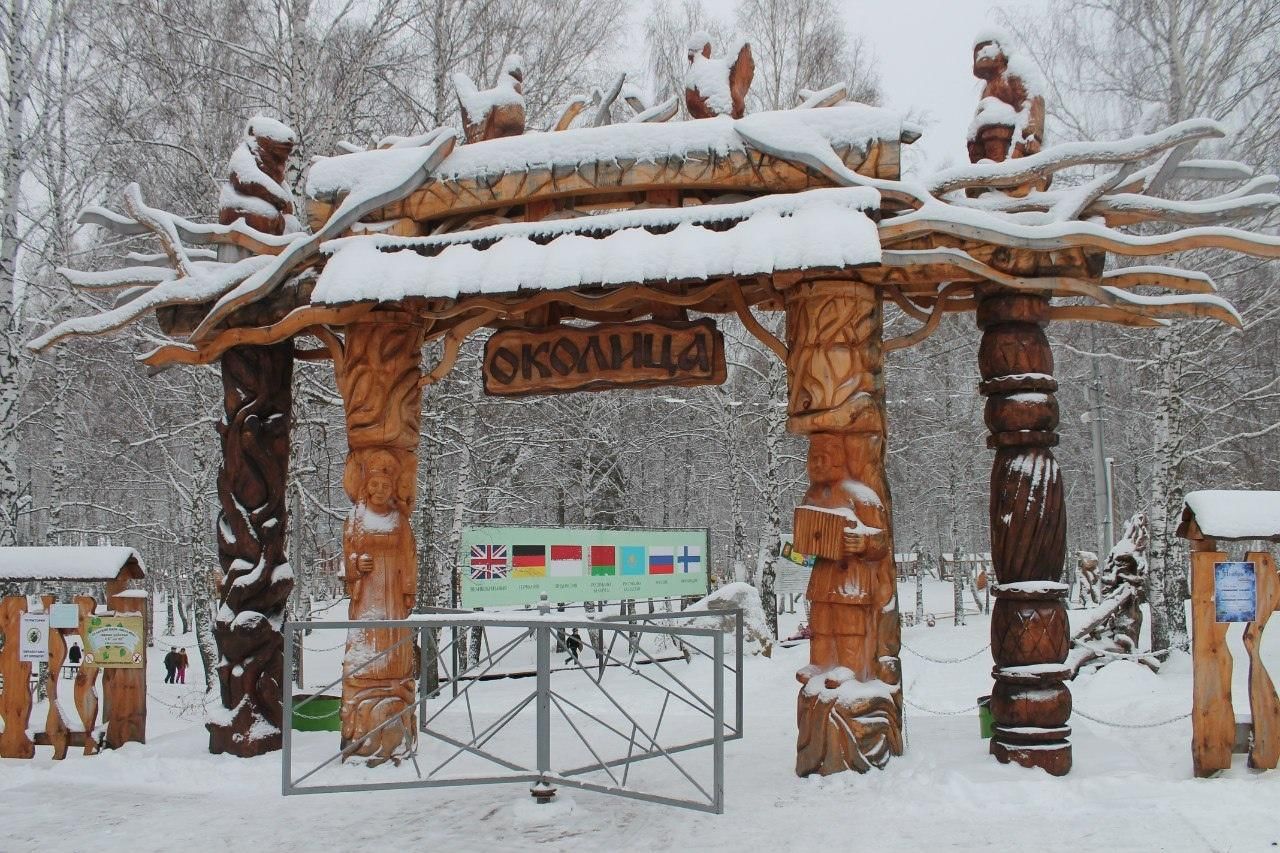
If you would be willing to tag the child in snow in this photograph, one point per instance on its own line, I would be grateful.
(182, 666)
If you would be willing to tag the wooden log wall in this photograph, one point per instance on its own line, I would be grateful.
(1029, 630)
(124, 691)
(379, 377)
(849, 710)
(257, 386)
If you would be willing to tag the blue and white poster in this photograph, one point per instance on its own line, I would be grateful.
(1235, 592)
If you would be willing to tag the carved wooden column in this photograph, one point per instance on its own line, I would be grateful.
(257, 386)
(378, 375)
(850, 704)
(1029, 630)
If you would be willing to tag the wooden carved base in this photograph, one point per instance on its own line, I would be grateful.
(378, 374)
(1030, 635)
(850, 705)
(252, 534)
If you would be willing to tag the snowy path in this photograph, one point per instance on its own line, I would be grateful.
(1131, 788)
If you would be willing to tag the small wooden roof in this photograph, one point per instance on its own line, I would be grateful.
(1231, 514)
(89, 563)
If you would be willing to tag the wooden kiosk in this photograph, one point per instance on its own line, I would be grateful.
(124, 691)
(598, 255)
(1210, 517)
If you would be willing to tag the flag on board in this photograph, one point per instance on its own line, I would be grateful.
(662, 561)
(689, 559)
(604, 561)
(528, 561)
(566, 561)
(632, 559)
(488, 562)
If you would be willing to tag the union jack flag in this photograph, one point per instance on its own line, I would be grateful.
(488, 562)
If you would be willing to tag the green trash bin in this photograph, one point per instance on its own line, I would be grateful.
(320, 714)
(985, 720)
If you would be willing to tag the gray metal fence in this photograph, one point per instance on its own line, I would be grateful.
(648, 689)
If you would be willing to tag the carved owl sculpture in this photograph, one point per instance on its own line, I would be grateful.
(714, 87)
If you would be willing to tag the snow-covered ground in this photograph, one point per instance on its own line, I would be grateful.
(1131, 788)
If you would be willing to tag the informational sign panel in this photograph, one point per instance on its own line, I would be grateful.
(34, 645)
(1235, 592)
(793, 570)
(514, 565)
(114, 642)
(64, 616)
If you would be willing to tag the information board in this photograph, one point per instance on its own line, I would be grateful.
(793, 570)
(514, 565)
(34, 647)
(1235, 592)
(114, 642)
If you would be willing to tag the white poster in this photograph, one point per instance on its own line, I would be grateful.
(34, 629)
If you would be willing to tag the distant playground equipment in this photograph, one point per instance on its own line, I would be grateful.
(112, 635)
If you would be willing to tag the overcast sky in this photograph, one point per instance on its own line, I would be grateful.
(924, 51)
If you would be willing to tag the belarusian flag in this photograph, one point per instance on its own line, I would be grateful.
(662, 561)
(566, 561)
(528, 561)
(604, 560)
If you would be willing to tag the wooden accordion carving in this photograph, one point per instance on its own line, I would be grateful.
(850, 705)
(1029, 630)
(378, 374)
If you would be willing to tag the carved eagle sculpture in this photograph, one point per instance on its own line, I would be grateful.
(714, 87)
(497, 112)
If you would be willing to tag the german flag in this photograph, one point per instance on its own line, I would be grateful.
(529, 561)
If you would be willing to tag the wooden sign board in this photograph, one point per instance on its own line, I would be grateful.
(563, 359)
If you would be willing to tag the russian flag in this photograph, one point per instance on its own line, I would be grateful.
(662, 561)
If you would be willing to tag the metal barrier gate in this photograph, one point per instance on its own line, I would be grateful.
(601, 724)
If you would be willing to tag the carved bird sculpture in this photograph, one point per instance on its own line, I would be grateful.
(497, 112)
(715, 87)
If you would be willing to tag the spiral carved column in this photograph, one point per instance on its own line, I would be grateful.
(849, 711)
(1029, 631)
(378, 374)
(257, 385)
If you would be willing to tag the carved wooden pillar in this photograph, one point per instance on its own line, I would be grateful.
(850, 703)
(257, 385)
(378, 375)
(1029, 630)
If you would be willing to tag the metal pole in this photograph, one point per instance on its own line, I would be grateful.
(1111, 491)
(286, 744)
(1102, 519)
(542, 790)
(717, 757)
(738, 673)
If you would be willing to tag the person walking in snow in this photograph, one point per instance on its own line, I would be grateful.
(170, 666)
(574, 645)
(182, 666)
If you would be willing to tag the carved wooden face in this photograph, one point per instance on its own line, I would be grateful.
(826, 458)
(380, 482)
(989, 60)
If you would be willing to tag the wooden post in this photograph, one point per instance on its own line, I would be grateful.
(1264, 705)
(1213, 720)
(379, 377)
(850, 704)
(257, 384)
(1029, 628)
(15, 697)
(125, 690)
(86, 698)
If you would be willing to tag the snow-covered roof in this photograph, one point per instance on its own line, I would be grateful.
(818, 228)
(1232, 514)
(842, 127)
(68, 562)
